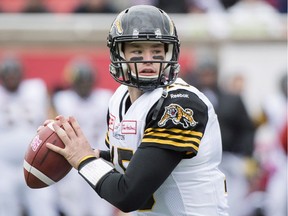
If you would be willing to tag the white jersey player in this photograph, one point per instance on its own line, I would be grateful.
(163, 135)
(24, 105)
(178, 126)
(90, 106)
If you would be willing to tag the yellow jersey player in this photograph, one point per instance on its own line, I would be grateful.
(163, 134)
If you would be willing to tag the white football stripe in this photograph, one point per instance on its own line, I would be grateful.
(41, 176)
(50, 125)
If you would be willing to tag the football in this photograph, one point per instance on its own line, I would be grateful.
(43, 167)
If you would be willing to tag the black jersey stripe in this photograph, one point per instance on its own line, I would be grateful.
(174, 131)
(170, 142)
(121, 107)
(173, 135)
(177, 138)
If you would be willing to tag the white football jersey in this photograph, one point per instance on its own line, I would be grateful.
(26, 107)
(21, 113)
(185, 122)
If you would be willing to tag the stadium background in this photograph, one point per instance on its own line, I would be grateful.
(253, 46)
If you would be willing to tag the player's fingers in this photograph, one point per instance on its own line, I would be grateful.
(39, 128)
(45, 123)
(58, 117)
(67, 127)
(62, 134)
(75, 126)
(55, 148)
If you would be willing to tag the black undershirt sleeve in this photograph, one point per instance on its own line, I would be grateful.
(147, 170)
(105, 155)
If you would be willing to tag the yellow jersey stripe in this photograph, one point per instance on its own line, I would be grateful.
(169, 136)
(174, 130)
(107, 138)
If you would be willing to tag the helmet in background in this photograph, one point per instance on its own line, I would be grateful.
(81, 77)
(11, 73)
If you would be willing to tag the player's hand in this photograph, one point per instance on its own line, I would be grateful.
(46, 122)
(77, 147)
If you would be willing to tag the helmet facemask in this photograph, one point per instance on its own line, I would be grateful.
(122, 72)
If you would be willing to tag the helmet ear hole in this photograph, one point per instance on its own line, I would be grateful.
(168, 57)
(121, 53)
(124, 67)
(169, 52)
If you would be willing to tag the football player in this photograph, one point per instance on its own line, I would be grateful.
(23, 107)
(163, 134)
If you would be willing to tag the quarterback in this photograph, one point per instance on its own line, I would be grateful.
(163, 134)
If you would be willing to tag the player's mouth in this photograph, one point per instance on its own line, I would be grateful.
(147, 72)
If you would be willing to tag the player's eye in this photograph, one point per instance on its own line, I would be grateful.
(158, 51)
(136, 51)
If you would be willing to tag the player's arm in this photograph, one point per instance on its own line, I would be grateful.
(147, 170)
(105, 154)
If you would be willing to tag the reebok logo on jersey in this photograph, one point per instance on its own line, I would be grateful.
(179, 96)
(177, 115)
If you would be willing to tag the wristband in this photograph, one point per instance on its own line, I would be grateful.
(85, 158)
(93, 171)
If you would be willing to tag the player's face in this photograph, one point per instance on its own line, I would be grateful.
(11, 80)
(139, 51)
(83, 87)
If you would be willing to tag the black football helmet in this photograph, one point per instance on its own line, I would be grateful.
(143, 23)
(11, 73)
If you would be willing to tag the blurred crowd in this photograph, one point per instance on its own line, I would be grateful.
(110, 6)
(254, 156)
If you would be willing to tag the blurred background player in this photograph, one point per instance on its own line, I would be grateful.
(271, 151)
(24, 104)
(90, 106)
(95, 6)
(35, 6)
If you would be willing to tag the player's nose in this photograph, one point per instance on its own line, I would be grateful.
(147, 56)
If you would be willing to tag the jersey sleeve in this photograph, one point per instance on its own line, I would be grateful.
(179, 124)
